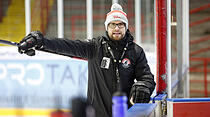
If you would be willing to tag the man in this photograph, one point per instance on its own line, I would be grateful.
(114, 62)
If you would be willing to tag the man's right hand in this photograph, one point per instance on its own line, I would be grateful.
(32, 41)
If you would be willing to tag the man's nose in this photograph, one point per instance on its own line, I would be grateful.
(117, 27)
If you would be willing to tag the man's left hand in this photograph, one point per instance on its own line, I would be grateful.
(139, 94)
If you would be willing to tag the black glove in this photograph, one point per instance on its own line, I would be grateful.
(32, 41)
(140, 93)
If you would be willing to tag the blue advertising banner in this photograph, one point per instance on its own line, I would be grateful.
(41, 83)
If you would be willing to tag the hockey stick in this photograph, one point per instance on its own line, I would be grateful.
(8, 42)
(30, 52)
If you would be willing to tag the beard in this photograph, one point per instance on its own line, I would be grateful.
(116, 36)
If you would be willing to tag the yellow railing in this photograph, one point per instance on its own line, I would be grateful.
(12, 27)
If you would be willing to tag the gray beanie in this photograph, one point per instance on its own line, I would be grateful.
(116, 14)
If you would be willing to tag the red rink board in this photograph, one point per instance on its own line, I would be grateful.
(191, 109)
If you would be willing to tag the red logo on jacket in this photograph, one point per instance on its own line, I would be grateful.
(126, 63)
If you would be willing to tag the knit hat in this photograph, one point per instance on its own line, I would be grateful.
(116, 14)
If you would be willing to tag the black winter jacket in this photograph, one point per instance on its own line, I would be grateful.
(102, 82)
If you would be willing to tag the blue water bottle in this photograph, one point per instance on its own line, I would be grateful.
(119, 107)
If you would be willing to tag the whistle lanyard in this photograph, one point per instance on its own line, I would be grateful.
(115, 61)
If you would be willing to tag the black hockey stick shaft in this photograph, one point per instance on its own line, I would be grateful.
(31, 52)
(8, 42)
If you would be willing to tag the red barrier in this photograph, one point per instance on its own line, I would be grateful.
(206, 6)
(205, 71)
(199, 21)
(193, 109)
(203, 39)
(199, 51)
(202, 66)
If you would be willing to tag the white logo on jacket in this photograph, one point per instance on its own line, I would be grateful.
(105, 63)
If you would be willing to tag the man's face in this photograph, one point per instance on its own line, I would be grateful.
(116, 30)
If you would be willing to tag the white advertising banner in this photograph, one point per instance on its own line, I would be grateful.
(42, 81)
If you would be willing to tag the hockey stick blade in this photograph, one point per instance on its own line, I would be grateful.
(8, 42)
